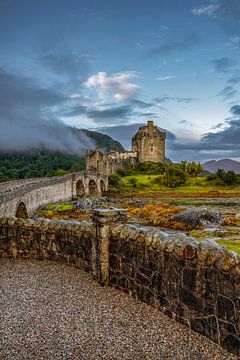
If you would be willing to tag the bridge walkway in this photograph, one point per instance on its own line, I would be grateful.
(53, 311)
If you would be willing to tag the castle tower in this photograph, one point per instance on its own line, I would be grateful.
(149, 143)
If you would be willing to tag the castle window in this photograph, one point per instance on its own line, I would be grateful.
(152, 147)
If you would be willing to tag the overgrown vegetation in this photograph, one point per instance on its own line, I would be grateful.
(22, 166)
(189, 176)
(224, 178)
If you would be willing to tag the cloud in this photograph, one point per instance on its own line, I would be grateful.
(214, 145)
(167, 77)
(170, 47)
(71, 65)
(228, 92)
(183, 122)
(209, 10)
(117, 86)
(235, 110)
(165, 98)
(234, 80)
(28, 119)
(223, 65)
(226, 13)
(114, 114)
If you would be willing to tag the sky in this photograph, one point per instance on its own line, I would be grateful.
(111, 65)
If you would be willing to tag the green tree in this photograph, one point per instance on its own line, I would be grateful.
(174, 176)
(114, 180)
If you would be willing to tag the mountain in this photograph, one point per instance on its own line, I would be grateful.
(103, 141)
(38, 162)
(225, 164)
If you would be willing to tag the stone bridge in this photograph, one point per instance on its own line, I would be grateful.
(20, 198)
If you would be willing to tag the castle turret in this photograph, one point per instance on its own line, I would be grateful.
(149, 143)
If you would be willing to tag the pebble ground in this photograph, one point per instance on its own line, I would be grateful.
(53, 311)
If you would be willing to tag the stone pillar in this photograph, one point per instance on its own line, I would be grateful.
(74, 189)
(103, 219)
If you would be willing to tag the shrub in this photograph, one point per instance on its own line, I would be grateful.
(174, 176)
(114, 180)
(150, 168)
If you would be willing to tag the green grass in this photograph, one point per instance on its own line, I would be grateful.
(231, 240)
(233, 245)
(60, 207)
(149, 183)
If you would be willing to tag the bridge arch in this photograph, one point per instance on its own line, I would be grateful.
(80, 189)
(21, 211)
(102, 186)
(93, 189)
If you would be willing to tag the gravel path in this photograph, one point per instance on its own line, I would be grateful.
(52, 311)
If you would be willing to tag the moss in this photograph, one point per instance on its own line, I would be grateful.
(60, 207)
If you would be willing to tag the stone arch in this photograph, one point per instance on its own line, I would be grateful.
(80, 190)
(21, 211)
(102, 186)
(93, 189)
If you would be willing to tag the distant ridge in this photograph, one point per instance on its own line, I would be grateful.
(225, 164)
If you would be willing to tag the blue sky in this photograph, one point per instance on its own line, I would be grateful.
(113, 64)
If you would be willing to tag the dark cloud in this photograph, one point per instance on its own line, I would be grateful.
(113, 114)
(71, 66)
(166, 98)
(228, 92)
(27, 118)
(142, 104)
(148, 114)
(169, 46)
(234, 80)
(215, 145)
(75, 110)
(235, 110)
(223, 65)
(182, 121)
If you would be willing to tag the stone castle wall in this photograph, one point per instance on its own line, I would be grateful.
(148, 144)
(196, 284)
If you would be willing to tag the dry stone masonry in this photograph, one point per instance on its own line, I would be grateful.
(197, 284)
(148, 144)
(33, 193)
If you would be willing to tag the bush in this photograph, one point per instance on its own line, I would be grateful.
(114, 180)
(174, 176)
(223, 178)
(123, 173)
(150, 168)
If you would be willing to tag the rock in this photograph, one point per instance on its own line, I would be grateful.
(197, 216)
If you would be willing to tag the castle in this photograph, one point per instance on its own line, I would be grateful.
(148, 144)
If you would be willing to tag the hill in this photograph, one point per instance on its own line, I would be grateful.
(41, 162)
(225, 164)
(103, 141)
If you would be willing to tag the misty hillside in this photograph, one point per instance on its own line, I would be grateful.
(103, 141)
(39, 163)
(225, 164)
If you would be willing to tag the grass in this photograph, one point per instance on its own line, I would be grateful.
(195, 187)
(60, 208)
(229, 237)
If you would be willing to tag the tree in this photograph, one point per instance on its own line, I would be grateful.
(174, 176)
(114, 180)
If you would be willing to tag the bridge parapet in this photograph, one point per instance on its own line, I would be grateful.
(36, 192)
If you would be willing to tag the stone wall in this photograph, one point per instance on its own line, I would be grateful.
(36, 192)
(47, 240)
(197, 284)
